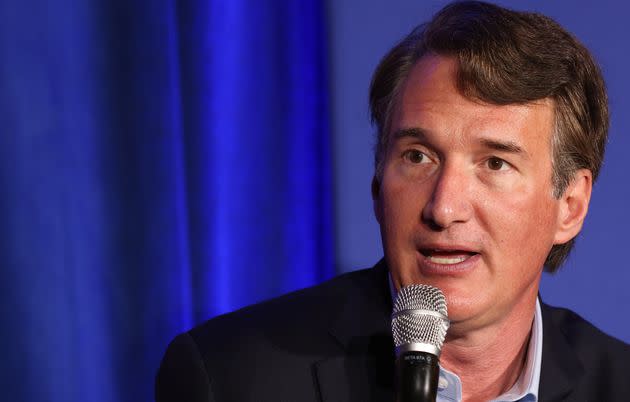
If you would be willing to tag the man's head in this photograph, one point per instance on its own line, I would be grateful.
(492, 127)
(503, 57)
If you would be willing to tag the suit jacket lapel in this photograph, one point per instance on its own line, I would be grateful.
(561, 369)
(365, 368)
(364, 371)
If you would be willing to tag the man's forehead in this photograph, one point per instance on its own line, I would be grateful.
(430, 97)
(441, 72)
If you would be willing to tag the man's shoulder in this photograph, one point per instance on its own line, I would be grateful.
(580, 357)
(277, 344)
(583, 335)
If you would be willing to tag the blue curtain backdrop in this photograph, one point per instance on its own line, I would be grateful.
(161, 162)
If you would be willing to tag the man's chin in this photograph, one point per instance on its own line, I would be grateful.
(462, 308)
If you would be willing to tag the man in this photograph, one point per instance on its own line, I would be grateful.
(491, 130)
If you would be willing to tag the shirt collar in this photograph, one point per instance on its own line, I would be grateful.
(526, 387)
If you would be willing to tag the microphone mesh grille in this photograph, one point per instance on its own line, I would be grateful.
(409, 326)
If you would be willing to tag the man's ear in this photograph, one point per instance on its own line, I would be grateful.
(573, 206)
(376, 198)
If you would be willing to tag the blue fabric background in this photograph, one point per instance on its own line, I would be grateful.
(161, 162)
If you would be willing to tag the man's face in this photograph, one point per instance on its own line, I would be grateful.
(465, 201)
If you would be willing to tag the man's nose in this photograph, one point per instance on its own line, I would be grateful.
(451, 198)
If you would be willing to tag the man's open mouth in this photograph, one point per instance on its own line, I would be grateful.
(447, 257)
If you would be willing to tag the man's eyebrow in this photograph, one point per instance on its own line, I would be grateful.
(503, 146)
(414, 132)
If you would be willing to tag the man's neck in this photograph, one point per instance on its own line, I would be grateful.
(488, 361)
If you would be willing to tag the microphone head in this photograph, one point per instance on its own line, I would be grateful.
(419, 319)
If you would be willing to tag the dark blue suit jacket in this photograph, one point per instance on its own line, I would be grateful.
(333, 342)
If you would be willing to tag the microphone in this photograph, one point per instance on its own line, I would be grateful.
(419, 325)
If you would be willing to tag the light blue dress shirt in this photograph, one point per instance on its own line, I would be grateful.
(526, 387)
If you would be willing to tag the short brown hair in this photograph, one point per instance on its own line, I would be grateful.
(508, 57)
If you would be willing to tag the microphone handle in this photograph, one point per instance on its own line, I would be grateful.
(417, 376)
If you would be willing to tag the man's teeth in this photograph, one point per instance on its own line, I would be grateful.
(447, 260)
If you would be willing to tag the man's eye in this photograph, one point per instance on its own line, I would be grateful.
(415, 156)
(497, 164)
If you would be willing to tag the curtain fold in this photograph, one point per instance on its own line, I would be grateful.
(161, 162)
